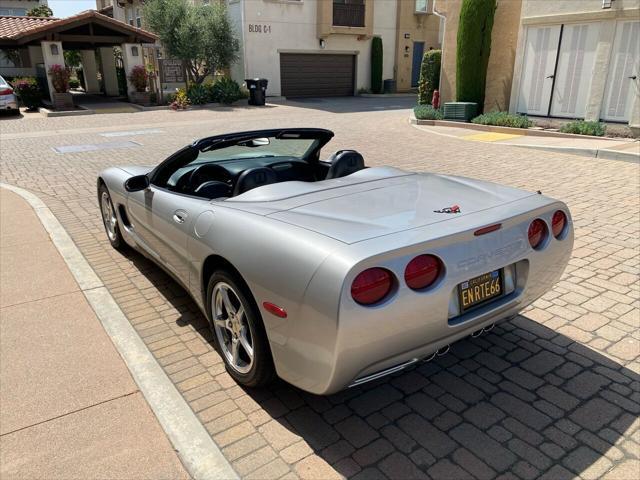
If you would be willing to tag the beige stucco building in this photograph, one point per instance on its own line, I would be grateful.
(323, 47)
(19, 8)
(570, 59)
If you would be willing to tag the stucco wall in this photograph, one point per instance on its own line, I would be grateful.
(419, 28)
(269, 28)
(504, 42)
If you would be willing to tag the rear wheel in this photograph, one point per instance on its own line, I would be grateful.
(110, 219)
(239, 334)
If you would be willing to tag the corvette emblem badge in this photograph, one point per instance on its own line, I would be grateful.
(452, 209)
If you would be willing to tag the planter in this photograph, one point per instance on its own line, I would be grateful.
(141, 98)
(63, 101)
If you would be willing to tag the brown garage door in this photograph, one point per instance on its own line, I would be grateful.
(316, 75)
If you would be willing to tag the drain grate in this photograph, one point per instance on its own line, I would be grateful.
(92, 147)
(130, 133)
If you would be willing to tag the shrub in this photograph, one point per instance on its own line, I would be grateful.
(181, 100)
(581, 127)
(429, 76)
(28, 91)
(60, 77)
(226, 90)
(139, 78)
(427, 112)
(197, 94)
(376, 65)
(473, 48)
(503, 119)
(74, 83)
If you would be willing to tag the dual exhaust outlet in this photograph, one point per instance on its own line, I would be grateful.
(444, 350)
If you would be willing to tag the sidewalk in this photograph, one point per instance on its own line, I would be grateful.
(69, 407)
(609, 148)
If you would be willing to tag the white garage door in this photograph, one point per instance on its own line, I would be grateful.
(558, 67)
(623, 83)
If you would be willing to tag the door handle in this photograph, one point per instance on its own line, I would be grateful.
(550, 76)
(633, 77)
(179, 217)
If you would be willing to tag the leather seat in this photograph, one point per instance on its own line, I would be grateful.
(213, 189)
(343, 163)
(253, 178)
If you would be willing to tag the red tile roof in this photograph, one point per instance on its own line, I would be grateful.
(14, 28)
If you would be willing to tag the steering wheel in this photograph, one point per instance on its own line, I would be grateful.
(207, 172)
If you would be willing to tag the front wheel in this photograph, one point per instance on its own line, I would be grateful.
(110, 219)
(239, 334)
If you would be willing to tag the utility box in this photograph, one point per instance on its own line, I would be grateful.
(460, 111)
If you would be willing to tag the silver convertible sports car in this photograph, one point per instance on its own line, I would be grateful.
(325, 272)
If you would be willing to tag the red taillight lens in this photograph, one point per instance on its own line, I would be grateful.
(537, 233)
(422, 271)
(6, 91)
(558, 221)
(371, 286)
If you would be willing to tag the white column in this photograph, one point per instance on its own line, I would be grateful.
(109, 74)
(90, 71)
(131, 56)
(52, 55)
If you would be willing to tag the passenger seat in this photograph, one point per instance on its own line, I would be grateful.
(343, 163)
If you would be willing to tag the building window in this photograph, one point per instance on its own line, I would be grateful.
(130, 16)
(138, 18)
(16, 12)
(421, 6)
(348, 13)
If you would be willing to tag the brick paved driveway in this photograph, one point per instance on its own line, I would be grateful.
(554, 393)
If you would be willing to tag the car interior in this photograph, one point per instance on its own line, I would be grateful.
(235, 176)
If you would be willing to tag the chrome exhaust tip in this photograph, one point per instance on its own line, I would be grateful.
(488, 328)
(443, 351)
(477, 333)
(430, 357)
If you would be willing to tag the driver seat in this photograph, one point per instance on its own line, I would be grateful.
(343, 163)
(253, 178)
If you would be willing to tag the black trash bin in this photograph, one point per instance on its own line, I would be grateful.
(257, 90)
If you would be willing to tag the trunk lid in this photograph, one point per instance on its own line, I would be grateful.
(389, 206)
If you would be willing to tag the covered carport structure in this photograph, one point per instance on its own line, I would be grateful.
(40, 43)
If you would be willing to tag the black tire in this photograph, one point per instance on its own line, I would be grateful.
(114, 236)
(262, 371)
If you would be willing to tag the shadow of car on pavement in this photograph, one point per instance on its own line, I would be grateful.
(521, 399)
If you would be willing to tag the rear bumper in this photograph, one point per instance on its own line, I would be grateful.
(409, 325)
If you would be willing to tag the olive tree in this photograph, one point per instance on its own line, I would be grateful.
(200, 35)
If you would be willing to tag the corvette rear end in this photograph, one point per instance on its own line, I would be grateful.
(402, 296)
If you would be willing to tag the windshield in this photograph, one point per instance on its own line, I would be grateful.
(260, 148)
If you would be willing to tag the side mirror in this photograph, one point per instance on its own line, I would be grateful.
(137, 183)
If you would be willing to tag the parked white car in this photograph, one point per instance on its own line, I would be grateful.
(8, 100)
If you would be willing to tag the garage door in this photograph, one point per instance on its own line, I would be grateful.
(316, 75)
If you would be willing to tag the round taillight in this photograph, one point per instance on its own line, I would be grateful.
(537, 233)
(558, 221)
(371, 286)
(422, 271)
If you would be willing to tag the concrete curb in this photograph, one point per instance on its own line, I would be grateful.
(605, 154)
(200, 455)
(531, 132)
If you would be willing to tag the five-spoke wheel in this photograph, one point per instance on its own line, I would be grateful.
(232, 330)
(109, 218)
(239, 334)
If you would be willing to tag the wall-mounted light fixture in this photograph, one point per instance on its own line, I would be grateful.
(134, 51)
(606, 3)
(54, 49)
(323, 44)
(406, 49)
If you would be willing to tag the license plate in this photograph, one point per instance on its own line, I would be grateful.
(480, 289)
